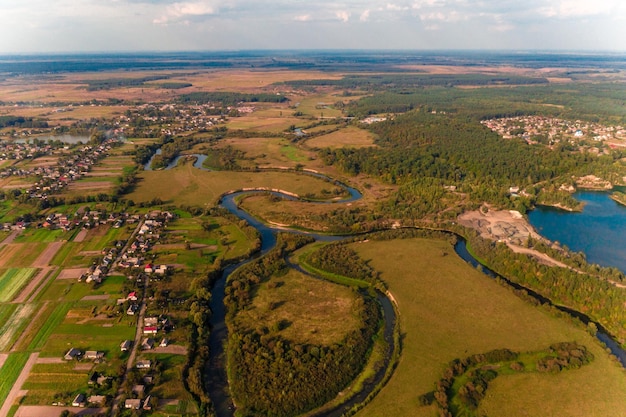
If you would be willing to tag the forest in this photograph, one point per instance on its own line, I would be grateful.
(230, 98)
(595, 102)
(424, 152)
(272, 376)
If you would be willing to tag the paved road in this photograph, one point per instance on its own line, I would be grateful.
(17, 387)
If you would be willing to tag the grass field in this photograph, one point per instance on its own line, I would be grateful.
(319, 106)
(14, 325)
(9, 373)
(6, 310)
(191, 186)
(35, 235)
(294, 213)
(268, 152)
(21, 255)
(348, 137)
(170, 384)
(54, 317)
(449, 310)
(13, 280)
(311, 311)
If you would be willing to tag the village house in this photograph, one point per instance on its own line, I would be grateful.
(133, 404)
(126, 345)
(143, 364)
(147, 343)
(94, 355)
(79, 400)
(97, 400)
(72, 354)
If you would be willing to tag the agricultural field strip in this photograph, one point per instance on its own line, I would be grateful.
(51, 323)
(33, 285)
(30, 329)
(17, 385)
(14, 324)
(13, 280)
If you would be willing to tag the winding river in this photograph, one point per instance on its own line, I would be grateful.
(218, 380)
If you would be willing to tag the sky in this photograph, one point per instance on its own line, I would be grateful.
(50, 26)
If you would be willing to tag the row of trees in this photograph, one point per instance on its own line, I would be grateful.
(464, 382)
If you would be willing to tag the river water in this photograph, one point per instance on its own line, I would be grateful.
(602, 216)
(599, 230)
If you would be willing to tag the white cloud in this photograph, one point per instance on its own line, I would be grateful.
(302, 18)
(343, 15)
(182, 11)
(365, 16)
(450, 17)
(396, 8)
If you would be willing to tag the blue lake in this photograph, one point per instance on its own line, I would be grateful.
(599, 230)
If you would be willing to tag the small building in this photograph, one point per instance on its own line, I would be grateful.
(94, 355)
(164, 342)
(145, 364)
(133, 404)
(126, 345)
(150, 330)
(93, 378)
(147, 343)
(139, 390)
(79, 401)
(98, 400)
(146, 403)
(73, 353)
(132, 309)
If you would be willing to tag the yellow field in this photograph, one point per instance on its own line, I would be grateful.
(191, 186)
(265, 124)
(449, 310)
(319, 105)
(317, 312)
(349, 137)
(268, 152)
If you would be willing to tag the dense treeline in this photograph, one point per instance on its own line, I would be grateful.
(231, 98)
(342, 260)
(425, 152)
(20, 121)
(593, 295)
(171, 149)
(585, 101)
(465, 381)
(110, 83)
(276, 377)
(400, 81)
(225, 158)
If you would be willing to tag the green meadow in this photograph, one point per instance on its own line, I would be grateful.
(448, 310)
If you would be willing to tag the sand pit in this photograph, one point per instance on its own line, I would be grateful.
(510, 227)
(502, 225)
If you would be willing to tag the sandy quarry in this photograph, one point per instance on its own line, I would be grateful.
(508, 226)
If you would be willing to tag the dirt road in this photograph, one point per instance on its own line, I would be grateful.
(17, 387)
